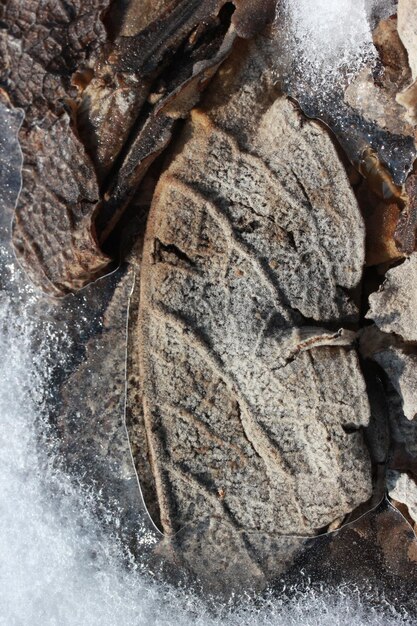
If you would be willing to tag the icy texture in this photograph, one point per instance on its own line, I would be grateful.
(332, 41)
(56, 566)
(325, 47)
(329, 37)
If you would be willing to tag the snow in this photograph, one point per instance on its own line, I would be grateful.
(330, 41)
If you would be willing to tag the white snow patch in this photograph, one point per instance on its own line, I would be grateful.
(329, 41)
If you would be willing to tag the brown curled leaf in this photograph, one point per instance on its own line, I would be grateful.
(129, 103)
(381, 202)
(42, 44)
(52, 232)
(393, 55)
(163, 69)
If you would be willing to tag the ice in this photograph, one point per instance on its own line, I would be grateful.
(331, 40)
(58, 568)
(329, 37)
(323, 47)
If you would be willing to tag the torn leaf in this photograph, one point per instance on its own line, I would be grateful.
(394, 307)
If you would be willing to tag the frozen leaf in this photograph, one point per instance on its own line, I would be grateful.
(253, 229)
(52, 230)
(394, 307)
(41, 46)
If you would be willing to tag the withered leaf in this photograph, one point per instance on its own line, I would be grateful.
(394, 307)
(252, 416)
(130, 100)
(407, 19)
(126, 74)
(132, 16)
(153, 137)
(40, 47)
(381, 216)
(52, 231)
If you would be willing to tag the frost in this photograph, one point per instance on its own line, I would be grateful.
(331, 37)
(330, 41)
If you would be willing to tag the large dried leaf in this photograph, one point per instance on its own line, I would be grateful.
(252, 415)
